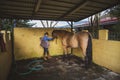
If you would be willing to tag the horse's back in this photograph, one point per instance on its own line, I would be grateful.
(74, 41)
(78, 38)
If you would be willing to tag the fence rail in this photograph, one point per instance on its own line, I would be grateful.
(114, 36)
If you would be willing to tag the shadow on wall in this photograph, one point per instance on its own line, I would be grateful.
(27, 43)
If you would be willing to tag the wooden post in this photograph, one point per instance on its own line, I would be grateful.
(103, 34)
(0, 25)
(12, 42)
(71, 26)
(72, 32)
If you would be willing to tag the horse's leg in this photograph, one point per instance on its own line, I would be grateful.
(85, 57)
(65, 52)
(83, 46)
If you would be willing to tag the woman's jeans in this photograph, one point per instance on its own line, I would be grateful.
(46, 51)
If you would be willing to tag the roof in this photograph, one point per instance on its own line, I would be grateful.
(62, 10)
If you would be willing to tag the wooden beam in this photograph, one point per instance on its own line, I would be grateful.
(37, 6)
(76, 8)
(102, 9)
(15, 12)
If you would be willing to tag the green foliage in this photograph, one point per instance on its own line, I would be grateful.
(6, 24)
(94, 22)
(115, 11)
(24, 23)
(116, 28)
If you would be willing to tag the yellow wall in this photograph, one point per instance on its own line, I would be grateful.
(77, 52)
(27, 43)
(103, 34)
(107, 53)
(5, 59)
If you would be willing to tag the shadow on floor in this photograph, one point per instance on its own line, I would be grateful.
(57, 69)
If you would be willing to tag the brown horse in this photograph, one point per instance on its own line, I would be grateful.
(74, 40)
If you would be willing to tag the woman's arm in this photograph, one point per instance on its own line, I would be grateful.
(49, 39)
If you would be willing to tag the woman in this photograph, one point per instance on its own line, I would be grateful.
(45, 44)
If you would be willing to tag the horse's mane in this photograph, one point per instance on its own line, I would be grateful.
(61, 31)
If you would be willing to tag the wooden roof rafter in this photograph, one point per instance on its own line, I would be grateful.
(76, 8)
(37, 7)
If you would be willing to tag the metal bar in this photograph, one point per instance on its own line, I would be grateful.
(68, 23)
(0, 24)
(72, 32)
(55, 24)
(12, 42)
(42, 23)
(47, 23)
(71, 26)
(51, 23)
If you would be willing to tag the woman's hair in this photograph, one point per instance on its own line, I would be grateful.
(46, 33)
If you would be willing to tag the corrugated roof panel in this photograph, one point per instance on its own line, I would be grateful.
(70, 10)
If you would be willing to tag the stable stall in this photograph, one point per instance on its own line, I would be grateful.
(57, 10)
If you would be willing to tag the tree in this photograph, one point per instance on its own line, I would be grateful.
(50, 24)
(6, 24)
(115, 12)
(94, 22)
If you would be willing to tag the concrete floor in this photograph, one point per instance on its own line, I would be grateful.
(57, 69)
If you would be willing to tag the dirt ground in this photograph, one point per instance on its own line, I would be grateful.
(57, 69)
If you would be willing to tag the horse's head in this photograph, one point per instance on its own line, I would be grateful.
(54, 34)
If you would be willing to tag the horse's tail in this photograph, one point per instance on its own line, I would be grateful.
(89, 51)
